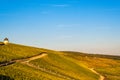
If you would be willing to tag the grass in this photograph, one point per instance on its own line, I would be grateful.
(19, 71)
(56, 65)
(108, 66)
(53, 62)
(61, 65)
(14, 51)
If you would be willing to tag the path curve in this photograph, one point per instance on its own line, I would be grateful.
(27, 60)
(42, 54)
(35, 57)
(101, 77)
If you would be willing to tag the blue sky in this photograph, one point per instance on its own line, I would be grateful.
(75, 25)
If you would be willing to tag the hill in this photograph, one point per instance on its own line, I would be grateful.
(15, 51)
(30, 63)
(106, 65)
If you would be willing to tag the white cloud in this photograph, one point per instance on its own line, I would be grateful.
(60, 5)
(68, 25)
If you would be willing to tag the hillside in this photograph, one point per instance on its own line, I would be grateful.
(106, 65)
(32, 63)
(15, 51)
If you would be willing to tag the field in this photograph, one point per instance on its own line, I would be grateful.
(20, 71)
(55, 65)
(108, 66)
(15, 51)
(60, 65)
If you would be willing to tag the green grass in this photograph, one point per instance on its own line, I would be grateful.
(56, 65)
(108, 66)
(53, 62)
(14, 51)
(19, 71)
(59, 64)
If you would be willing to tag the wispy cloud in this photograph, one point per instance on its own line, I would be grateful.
(60, 5)
(61, 26)
(68, 25)
(44, 12)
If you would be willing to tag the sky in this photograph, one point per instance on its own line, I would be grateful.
(91, 26)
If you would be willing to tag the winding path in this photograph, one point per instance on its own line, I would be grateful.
(101, 77)
(27, 60)
(23, 60)
(33, 58)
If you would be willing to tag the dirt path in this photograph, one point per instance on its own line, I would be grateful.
(101, 77)
(35, 57)
(26, 62)
(55, 73)
(23, 60)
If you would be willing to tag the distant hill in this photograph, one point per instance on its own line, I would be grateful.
(30, 63)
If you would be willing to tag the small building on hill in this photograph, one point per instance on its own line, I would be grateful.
(6, 41)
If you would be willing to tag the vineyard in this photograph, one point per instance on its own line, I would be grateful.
(108, 66)
(14, 51)
(56, 63)
(31, 64)
(20, 71)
